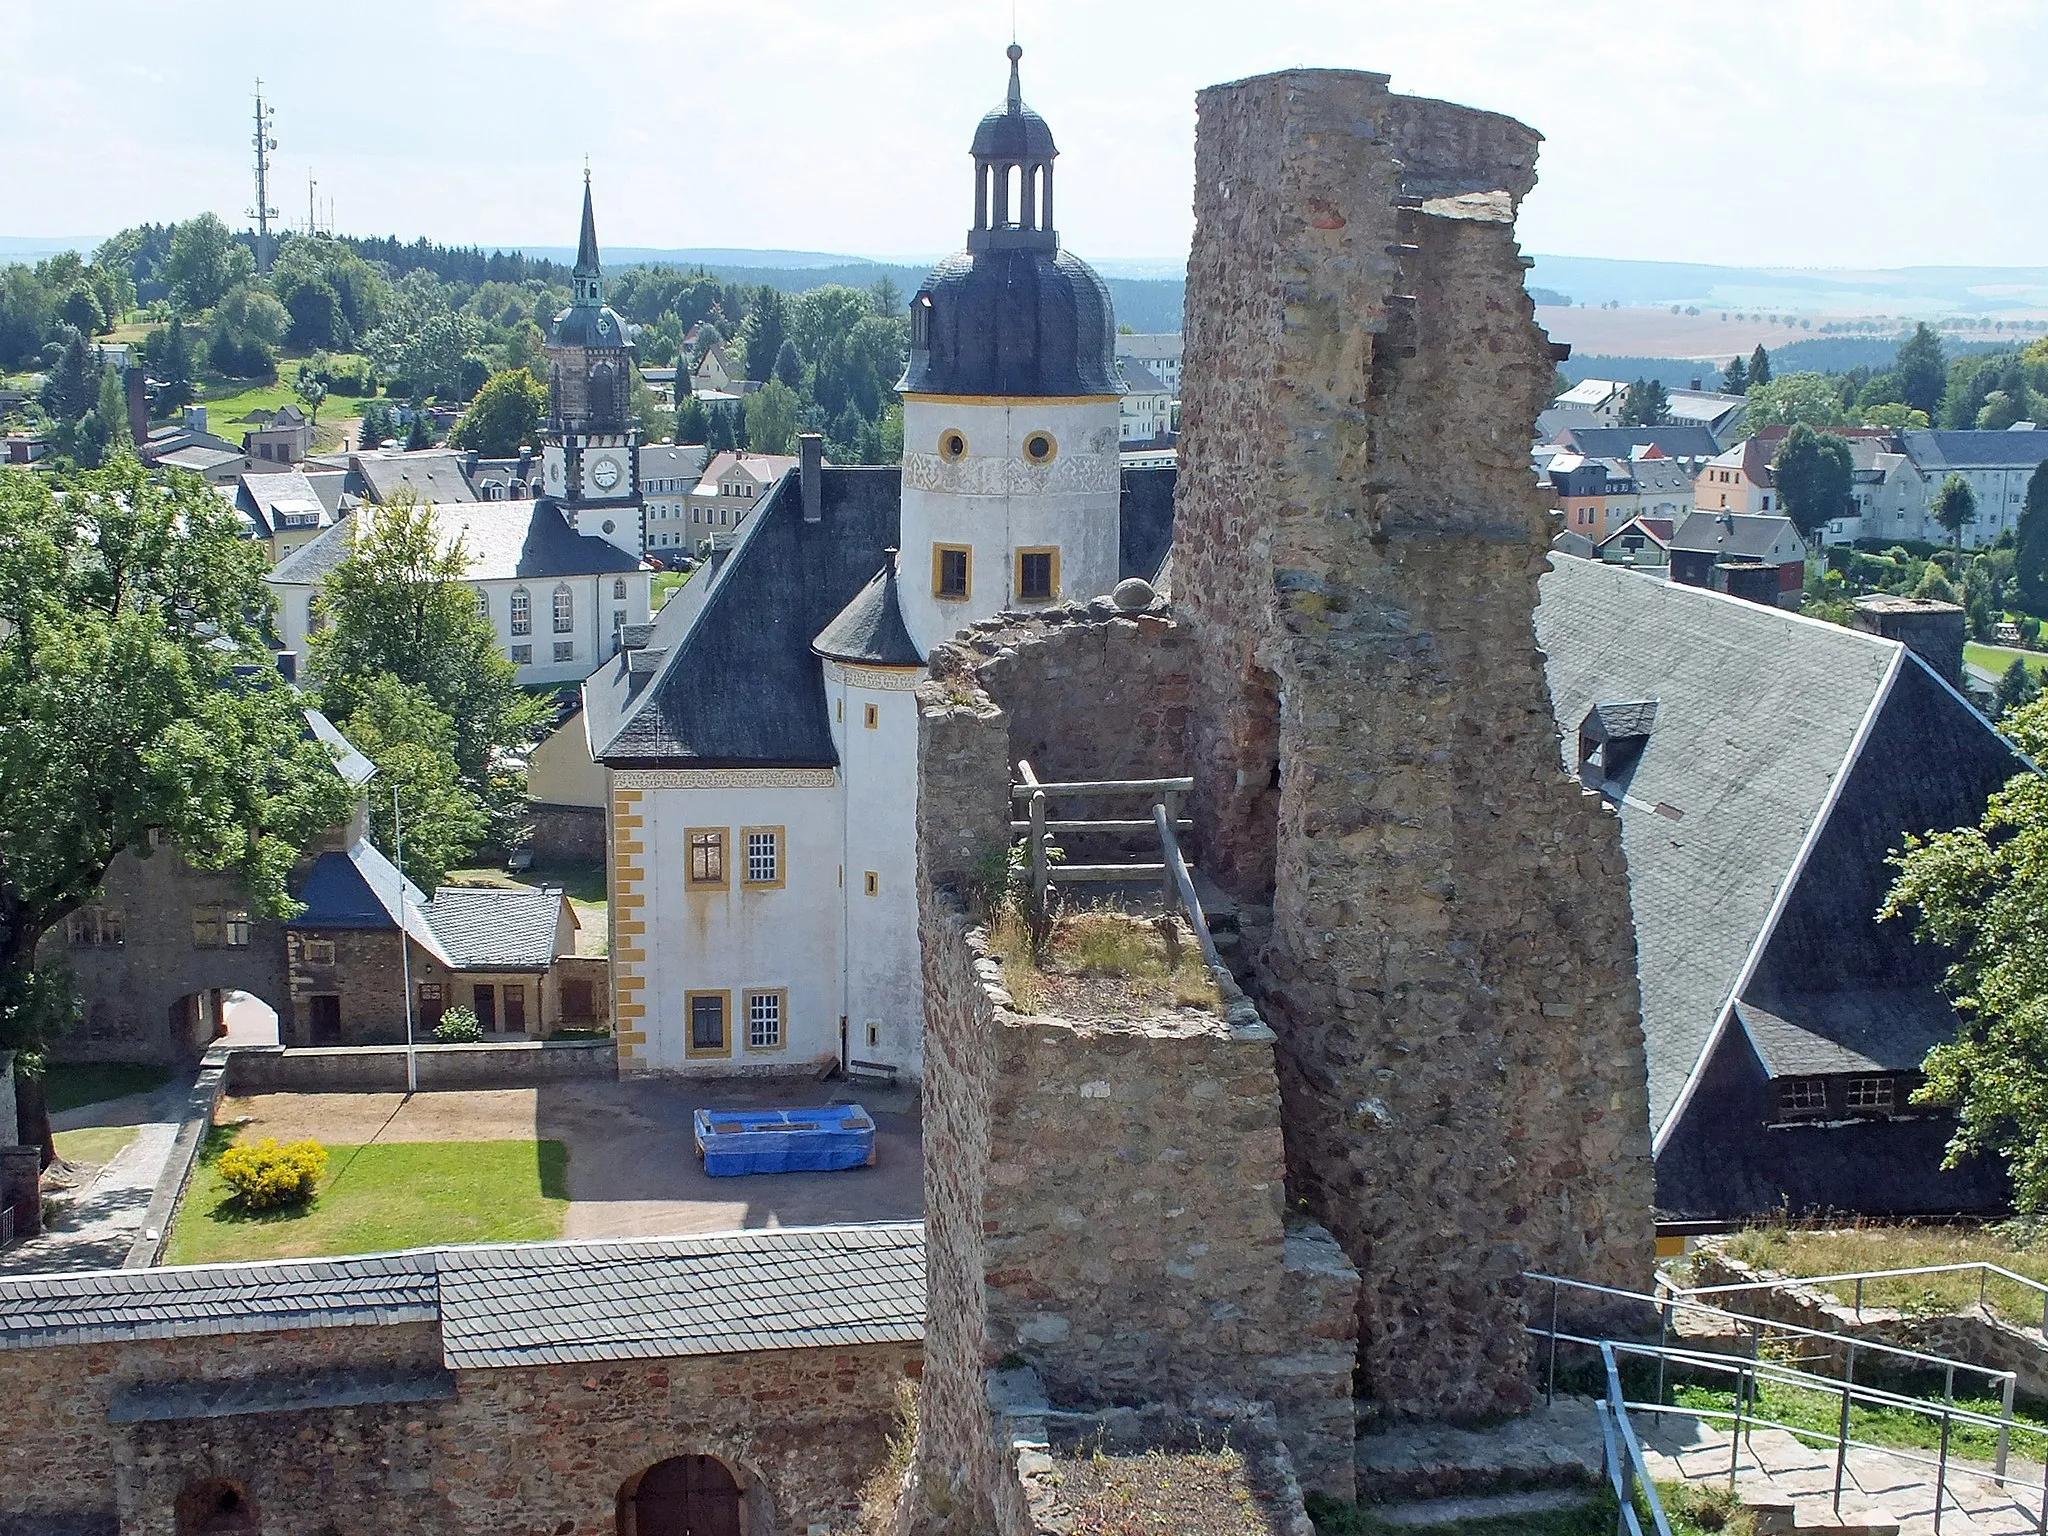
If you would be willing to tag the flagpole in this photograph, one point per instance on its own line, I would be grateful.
(412, 1070)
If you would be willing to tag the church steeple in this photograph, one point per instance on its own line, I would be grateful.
(1013, 156)
(589, 275)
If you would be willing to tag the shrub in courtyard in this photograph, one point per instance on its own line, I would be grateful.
(267, 1176)
(458, 1026)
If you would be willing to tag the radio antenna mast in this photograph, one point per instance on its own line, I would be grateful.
(263, 213)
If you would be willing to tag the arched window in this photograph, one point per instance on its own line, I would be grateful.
(619, 585)
(522, 612)
(565, 610)
(483, 604)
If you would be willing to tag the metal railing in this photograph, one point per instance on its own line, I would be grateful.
(1627, 1472)
(1748, 1375)
(1982, 1268)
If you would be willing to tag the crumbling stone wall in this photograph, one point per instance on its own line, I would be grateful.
(1105, 1199)
(1451, 966)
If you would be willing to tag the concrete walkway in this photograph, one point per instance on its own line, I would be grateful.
(101, 1221)
(1773, 1466)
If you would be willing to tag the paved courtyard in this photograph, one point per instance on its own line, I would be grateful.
(633, 1168)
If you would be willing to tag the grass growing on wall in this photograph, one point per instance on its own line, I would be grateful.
(380, 1197)
(1798, 1252)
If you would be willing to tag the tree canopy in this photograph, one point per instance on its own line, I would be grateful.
(2030, 558)
(136, 694)
(1982, 892)
(504, 417)
(1759, 366)
(412, 742)
(1808, 397)
(1955, 507)
(1645, 404)
(1813, 471)
(1921, 371)
(400, 606)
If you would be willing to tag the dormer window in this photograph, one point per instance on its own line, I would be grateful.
(1611, 739)
(921, 323)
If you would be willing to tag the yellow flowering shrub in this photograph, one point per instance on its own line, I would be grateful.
(267, 1175)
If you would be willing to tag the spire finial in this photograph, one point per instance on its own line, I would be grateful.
(1016, 86)
(586, 170)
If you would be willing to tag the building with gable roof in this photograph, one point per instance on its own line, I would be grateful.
(761, 733)
(1764, 766)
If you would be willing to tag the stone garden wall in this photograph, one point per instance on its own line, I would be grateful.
(541, 1449)
(1451, 968)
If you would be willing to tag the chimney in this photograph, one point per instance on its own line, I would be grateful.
(288, 666)
(138, 405)
(1695, 386)
(810, 448)
(195, 418)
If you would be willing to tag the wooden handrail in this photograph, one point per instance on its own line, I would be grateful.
(1103, 787)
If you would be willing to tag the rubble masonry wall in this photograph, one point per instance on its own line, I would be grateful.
(1451, 968)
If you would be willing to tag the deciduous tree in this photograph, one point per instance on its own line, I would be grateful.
(412, 742)
(1982, 892)
(201, 264)
(1955, 507)
(2030, 559)
(504, 417)
(1814, 473)
(127, 608)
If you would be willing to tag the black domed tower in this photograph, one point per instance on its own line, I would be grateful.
(592, 453)
(1010, 483)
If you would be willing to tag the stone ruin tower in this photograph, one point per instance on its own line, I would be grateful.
(1450, 967)
(1428, 1078)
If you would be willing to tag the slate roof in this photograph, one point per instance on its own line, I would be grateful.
(785, 1288)
(1145, 523)
(531, 539)
(1757, 711)
(1733, 535)
(1138, 379)
(739, 685)
(1152, 346)
(311, 563)
(728, 678)
(1939, 452)
(349, 761)
(200, 460)
(262, 498)
(106, 1306)
(870, 629)
(431, 476)
(361, 889)
(1692, 442)
(1787, 756)
(487, 929)
(507, 1305)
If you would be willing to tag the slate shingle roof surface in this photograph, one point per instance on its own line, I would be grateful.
(1939, 452)
(507, 539)
(491, 929)
(310, 563)
(790, 1288)
(518, 1304)
(434, 477)
(1756, 712)
(1694, 442)
(1737, 535)
(104, 1306)
(870, 629)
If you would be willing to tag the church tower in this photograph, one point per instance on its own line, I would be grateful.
(1010, 473)
(591, 453)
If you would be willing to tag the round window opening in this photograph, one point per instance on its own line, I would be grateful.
(1039, 448)
(610, 526)
(952, 446)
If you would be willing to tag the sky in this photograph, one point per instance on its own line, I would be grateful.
(1803, 133)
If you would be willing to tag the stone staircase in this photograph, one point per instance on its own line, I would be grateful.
(1790, 1485)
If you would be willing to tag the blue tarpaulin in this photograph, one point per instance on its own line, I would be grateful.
(735, 1141)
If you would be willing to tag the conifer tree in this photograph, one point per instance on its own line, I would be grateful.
(1759, 366)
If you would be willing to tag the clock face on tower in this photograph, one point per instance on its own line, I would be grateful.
(604, 474)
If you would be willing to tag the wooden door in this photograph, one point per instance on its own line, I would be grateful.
(687, 1496)
(486, 1006)
(326, 1019)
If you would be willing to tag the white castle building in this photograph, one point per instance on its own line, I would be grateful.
(760, 736)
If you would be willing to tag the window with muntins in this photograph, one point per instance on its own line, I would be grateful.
(522, 612)
(764, 1021)
(764, 856)
(951, 572)
(1037, 575)
(1871, 1095)
(1803, 1096)
(707, 856)
(565, 611)
(94, 927)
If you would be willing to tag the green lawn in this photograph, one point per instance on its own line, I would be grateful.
(73, 1087)
(380, 1197)
(667, 583)
(1817, 1415)
(95, 1144)
(227, 401)
(1996, 658)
